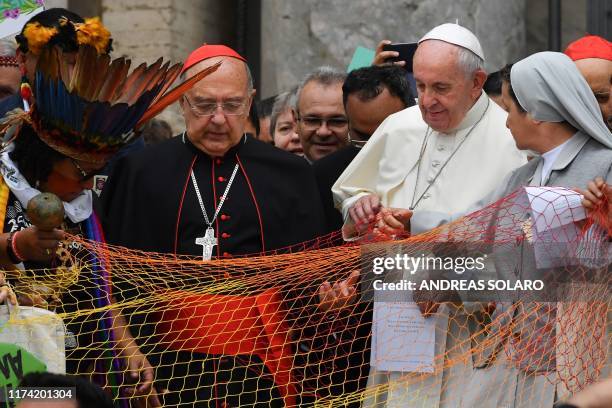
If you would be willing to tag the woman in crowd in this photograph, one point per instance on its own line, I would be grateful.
(283, 125)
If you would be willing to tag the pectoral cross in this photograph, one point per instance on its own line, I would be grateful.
(208, 241)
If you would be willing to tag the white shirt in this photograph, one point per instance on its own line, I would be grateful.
(549, 159)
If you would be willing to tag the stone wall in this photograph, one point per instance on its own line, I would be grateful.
(573, 23)
(300, 35)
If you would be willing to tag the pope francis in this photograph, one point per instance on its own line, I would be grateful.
(433, 160)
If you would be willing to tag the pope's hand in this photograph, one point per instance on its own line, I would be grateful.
(364, 211)
(598, 395)
(429, 301)
(381, 56)
(393, 221)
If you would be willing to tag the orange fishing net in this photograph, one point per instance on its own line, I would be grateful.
(485, 341)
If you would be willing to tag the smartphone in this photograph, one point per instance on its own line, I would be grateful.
(406, 53)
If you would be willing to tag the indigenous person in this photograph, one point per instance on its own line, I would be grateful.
(322, 123)
(62, 29)
(57, 151)
(283, 125)
(10, 77)
(551, 111)
(431, 160)
(593, 57)
(222, 194)
(369, 96)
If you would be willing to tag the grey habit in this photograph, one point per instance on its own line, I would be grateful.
(550, 88)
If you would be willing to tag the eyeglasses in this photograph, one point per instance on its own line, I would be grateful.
(229, 108)
(356, 142)
(313, 122)
(84, 175)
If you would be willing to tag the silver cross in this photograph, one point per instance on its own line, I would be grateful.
(208, 241)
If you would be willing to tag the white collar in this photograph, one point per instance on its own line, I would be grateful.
(474, 114)
(76, 210)
(550, 157)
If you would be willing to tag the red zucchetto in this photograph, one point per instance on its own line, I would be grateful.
(590, 46)
(209, 51)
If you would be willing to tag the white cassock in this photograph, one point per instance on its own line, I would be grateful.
(483, 153)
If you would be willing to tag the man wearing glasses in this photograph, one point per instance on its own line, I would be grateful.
(322, 123)
(214, 193)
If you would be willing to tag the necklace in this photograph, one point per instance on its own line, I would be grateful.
(422, 153)
(208, 241)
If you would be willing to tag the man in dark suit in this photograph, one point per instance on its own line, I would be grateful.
(369, 95)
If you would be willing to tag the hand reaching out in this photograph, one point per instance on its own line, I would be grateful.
(340, 295)
(597, 194)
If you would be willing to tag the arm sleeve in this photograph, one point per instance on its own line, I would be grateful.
(359, 178)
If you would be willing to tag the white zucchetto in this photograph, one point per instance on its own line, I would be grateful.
(457, 35)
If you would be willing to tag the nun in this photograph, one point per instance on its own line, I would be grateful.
(553, 113)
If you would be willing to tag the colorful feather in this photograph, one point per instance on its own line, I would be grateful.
(143, 82)
(114, 79)
(89, 110)
(96, 81)
(171, 76)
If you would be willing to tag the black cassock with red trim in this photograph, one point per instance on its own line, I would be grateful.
(150, 203)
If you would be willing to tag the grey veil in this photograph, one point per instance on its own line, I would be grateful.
(549, 86)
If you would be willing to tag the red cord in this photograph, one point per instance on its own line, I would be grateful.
(180, 210)
(212, 164)
(263, 242)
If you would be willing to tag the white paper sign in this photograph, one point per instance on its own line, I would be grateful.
(402, 339)
(554, 211)
(554, 207)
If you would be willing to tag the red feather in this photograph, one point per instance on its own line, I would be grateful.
(173, 95)
(171, 76)
(114, 80)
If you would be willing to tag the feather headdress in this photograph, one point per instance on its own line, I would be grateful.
(90, 111)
